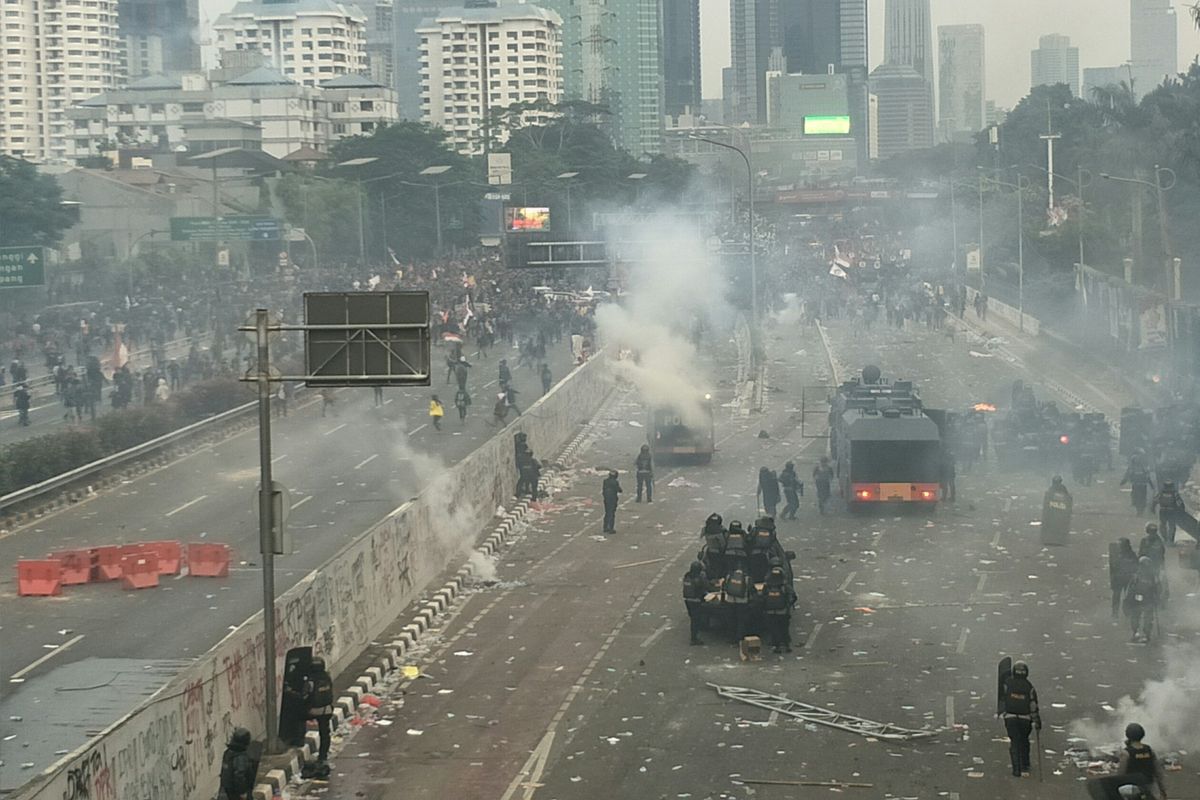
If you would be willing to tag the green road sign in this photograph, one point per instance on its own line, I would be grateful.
(212, 229)
(22, 266)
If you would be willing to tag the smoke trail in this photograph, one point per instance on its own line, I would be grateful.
(1166, 707)
(676, 287)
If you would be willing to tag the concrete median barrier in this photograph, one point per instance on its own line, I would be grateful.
(171, 745)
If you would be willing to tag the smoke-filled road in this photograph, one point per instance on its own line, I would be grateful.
(345, 472)
(573, 678)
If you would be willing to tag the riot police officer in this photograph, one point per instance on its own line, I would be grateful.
(1170, 505)
(1153, 547)
(736, 547)
(1142, 599)
(778, 599)
(609, 491)
(1137, 475)
(712, 554)
(1139, 762)
(1019, 709)
(738, 592)
(320, 704)
(695, 587)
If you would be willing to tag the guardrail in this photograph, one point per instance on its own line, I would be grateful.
(48, 379)
(116, 459)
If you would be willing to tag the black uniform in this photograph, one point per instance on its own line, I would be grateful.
(1142, 767)
(645, 474)
(547, 378)
(778, 599)
(1121, 569)
(609, 490)
(1139, 480)
(1170, 506)
(1021, 716)
(239, 767)
(768, 491)
(823, 478)
(695, 586)
(738, 592)
(320, 704)
(1142, 599)
(793, 488)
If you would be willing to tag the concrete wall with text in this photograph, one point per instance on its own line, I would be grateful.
(170, 747)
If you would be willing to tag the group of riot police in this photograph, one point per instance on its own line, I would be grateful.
(742, 578)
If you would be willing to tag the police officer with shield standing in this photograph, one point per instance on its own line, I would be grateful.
(1017, 704)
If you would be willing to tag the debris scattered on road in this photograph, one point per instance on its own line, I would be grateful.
(639, 563)
(825, 784)
(682, 482)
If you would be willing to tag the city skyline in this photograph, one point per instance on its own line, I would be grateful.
(1099, 28)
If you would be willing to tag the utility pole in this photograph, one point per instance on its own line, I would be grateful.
(1049, 137)
(266, 527)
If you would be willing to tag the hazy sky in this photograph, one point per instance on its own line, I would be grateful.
(1099, 28)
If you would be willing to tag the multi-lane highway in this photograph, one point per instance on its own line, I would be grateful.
(573, 678)
(104, 648)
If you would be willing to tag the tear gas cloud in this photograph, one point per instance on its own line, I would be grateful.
(677, 284)
(1166, 707)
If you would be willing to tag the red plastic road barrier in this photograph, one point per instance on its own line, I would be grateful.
(139, 571)
(39, 578)
(106, 563)
(76, 565)
(208, 560)
(170, 556)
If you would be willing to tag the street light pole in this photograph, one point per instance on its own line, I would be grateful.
(750, 231)
(954, 227)
(437, 213)
(1171, 286)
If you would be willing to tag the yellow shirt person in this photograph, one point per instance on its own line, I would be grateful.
(436, 412)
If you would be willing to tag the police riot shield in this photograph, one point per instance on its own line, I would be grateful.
(1003, 670)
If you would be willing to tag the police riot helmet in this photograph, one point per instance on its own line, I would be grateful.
(1130, 791)
(1168, 486)
(1134, 732)
(736, 527)
(790, 465)
(1057, 480)
(766, 523)
(241, 738)
(715, 519)
(612, 473)
(1144, 560)
(1151, 527)
(1021, 669)
(776, 574)
(696, 568)
(318, 664)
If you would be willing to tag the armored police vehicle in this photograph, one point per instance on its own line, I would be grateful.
(885, 448)
(676, 436)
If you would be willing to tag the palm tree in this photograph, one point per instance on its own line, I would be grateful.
(1195, 11)
(1116, 102)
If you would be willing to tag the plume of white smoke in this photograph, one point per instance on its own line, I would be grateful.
(1166, 707)
(483, 567)
(677, 283)
(792, 311)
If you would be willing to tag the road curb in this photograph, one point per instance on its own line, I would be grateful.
(348, 703)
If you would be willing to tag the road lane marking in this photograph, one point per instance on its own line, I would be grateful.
(982, 582)
(18, 677)
(996, 538)
(812, 635)
(278, 458)
(666, 626)
(1007, 505)
(949, 711)
(188, 504)
(366, 461)
(962, 640)
(418, 429)
(335, 430)
(846, 582)
(301, 502)
(490, 383)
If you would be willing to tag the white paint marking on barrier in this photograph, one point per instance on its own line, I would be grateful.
(18, 676)
(188, 504)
